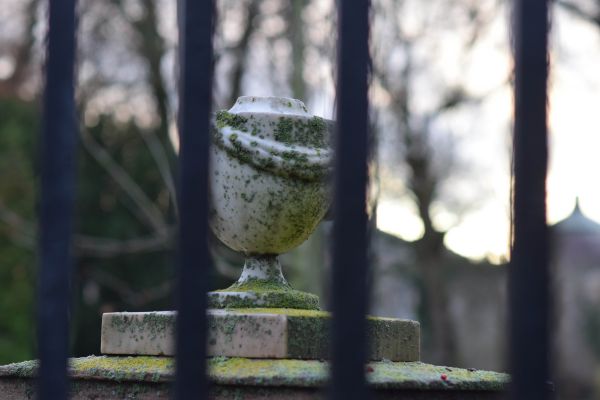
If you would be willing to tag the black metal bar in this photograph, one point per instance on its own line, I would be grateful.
(529, 272)
(58, 146)
(195, 93)
(349, 205)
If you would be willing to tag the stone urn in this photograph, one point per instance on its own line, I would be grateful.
(269, 185)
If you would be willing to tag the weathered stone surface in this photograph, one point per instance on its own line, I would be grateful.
(148, 378)
(86, 389)
(149, 333)
(269, 189)
(256, 333)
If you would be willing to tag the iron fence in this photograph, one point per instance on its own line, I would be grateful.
(528, 271)
(59, 138)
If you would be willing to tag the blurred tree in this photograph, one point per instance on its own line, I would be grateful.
(407, 74)
(587, 10)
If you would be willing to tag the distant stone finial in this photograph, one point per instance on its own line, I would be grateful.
(577, 208)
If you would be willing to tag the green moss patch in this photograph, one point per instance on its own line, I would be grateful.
(139, 368)
(284, 311)
(312, 134)
(236, 298)
(235, 121)
(293, 373)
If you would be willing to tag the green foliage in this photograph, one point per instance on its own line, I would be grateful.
(133, 282)
(125, 282)
(18, 125)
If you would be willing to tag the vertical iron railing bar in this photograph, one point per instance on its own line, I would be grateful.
(57, 200)
(349, 204)
(195, 93)
(529, 270)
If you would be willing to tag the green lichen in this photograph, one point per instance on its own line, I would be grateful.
(316, 132)
(308, 337)
(247, 198)
(152, 324)
(285, 311)
(421, 376)
(259, 285)
(382, 375)
(283, 131)
(243, 298)
(262, 284)
(25, 369)
(243, 371)
(298, 158)
(153, 369)
(275, 373)
(312, 133)
(223, 327)
(235, 121)
(301, 131)
(243, 154)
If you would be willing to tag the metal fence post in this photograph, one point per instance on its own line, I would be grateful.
(57, 167)
(349, 205)
(195, 93)
(529, 271)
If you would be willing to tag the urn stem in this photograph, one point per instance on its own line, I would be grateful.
(265, 268)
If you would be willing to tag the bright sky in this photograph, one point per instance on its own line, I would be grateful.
(574, 169)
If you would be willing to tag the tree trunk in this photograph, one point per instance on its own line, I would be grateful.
(430, 258)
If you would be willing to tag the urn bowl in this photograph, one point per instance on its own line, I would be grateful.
(269, 174)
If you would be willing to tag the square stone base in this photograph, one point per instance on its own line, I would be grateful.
(256, 333)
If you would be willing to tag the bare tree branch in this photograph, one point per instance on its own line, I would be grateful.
(240, 51)
(23, 233)
(151, 47)
(20, 231)
(22, 54)
(130, 296)
(152, 215)
(107, 248)
(158, 153)
(580, 12)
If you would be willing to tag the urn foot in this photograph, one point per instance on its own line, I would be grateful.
(262, 285)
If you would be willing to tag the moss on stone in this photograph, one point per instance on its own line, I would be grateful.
(285, 311)
(153, 369)
(308, 337)
(25, 369)
(418, 375)
(244, 371)
(383, 375)
(154, 324)
(283, 130)
(260, 285)
(311, 133)
(269, 373)
(138, 368)
(246, 298)
(235, 121)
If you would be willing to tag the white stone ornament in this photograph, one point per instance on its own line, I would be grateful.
(269, 181)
